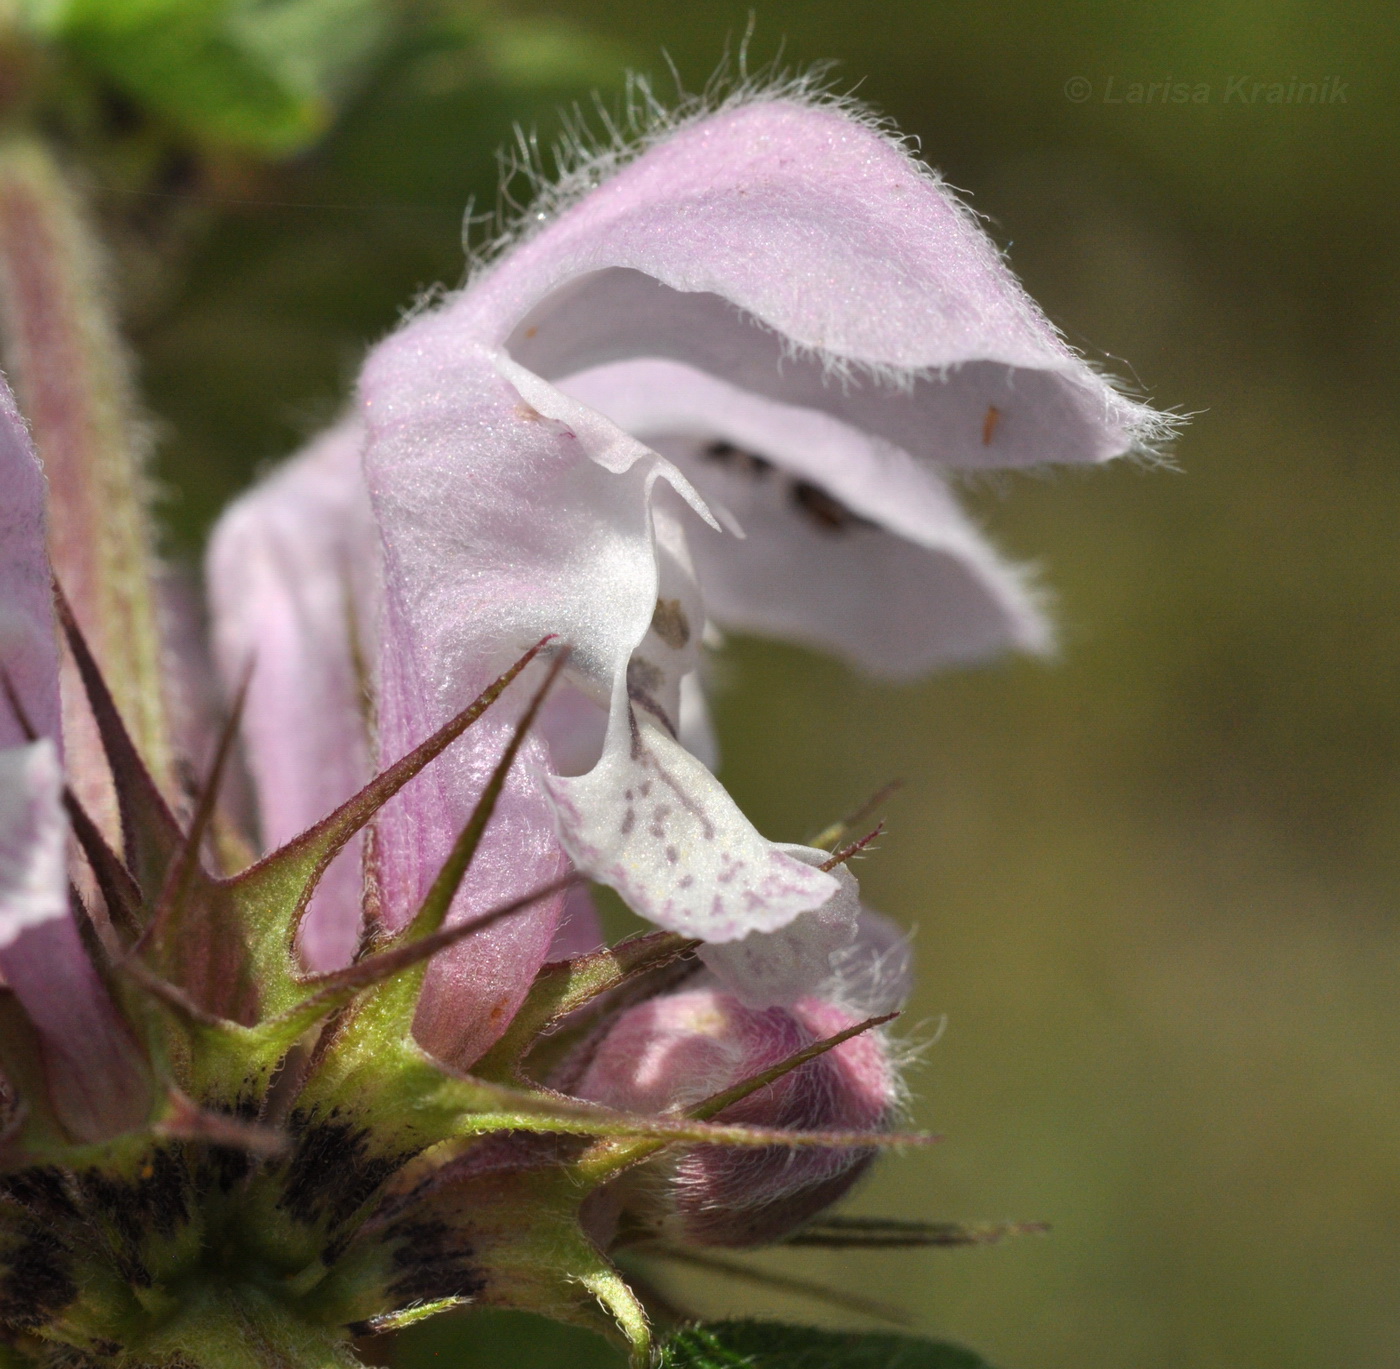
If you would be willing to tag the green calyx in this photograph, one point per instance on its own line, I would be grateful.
(300, 1172)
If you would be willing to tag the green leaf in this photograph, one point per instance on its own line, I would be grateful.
(771, 1345)
(487, 1338)
(261, 75)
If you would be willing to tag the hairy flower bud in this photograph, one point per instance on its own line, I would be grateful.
(671, 1052)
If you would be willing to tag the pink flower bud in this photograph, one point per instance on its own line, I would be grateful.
(676, 1050)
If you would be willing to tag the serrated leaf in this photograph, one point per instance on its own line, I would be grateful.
(772, 1345)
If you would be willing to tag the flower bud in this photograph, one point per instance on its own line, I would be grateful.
(678, 1049)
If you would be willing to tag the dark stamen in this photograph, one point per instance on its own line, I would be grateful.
(824, 510)
(736, 459)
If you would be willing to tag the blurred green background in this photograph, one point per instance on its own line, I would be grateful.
(1155, 881)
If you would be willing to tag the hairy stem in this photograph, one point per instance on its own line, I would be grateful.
(70, 372)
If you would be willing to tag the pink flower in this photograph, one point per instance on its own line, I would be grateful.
(294, 587)
(720, 389)
(95, 1082)
(675, 1050)
(771, 320)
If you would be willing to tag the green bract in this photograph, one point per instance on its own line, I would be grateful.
(305, 1173)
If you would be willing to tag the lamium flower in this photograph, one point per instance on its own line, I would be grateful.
(257, 1107)
(719, 389)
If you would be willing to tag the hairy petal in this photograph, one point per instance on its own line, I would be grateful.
(775, 969)
(94, 1073)
(841, 252)
(294, 589)
(875, 973)
(28, 648)
(819, 280)
(510, 511)
(580, 929)
(852, 545)
(460, 465)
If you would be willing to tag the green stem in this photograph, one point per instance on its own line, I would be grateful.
(71, 375)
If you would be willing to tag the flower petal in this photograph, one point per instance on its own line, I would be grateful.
(28, 648)
(695, 730)
(580, 929)
(33, 837)
(651, 822)
(573, 725)
(94, 1074)
(775, 969)
(863, 288)
(875, 973)
(499, 528)
(293, 585)
(510, 511)
(851, 544)
(502, 523)
(798, 255)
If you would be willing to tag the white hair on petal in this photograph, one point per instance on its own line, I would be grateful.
(596, 145)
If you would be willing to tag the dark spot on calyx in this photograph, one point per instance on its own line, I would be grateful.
(432, 1261)
(156, 1202)
(332, 1173)
(37, 1283)
(41, 1190)
(669, 622)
